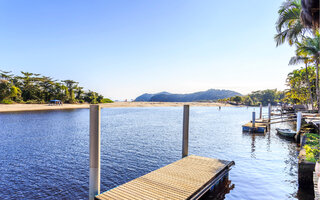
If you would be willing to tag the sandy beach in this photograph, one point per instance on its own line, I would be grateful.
(39, 107)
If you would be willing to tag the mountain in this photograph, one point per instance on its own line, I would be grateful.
(212, 94)
(147, 97)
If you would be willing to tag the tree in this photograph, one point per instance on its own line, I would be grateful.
(5, 75)
(71, 85)
(310, 13)
(248, 101)
(289, 26)
(237, 99)
(8, 91)
(311, 46)
(299, 58)
(79, 93)
(298, 87)
(266, 96)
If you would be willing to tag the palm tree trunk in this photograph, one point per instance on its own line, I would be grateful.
(317, 84)
(309, 87)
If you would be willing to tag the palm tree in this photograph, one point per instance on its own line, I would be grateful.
(311, 47)
(289, 26)
(310, 13)
(303, 58)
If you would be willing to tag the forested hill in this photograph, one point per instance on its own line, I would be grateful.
(212, 94)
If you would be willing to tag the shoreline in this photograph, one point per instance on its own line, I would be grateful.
(5, 108)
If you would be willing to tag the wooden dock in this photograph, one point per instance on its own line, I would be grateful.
(257, 128)
(188, 178)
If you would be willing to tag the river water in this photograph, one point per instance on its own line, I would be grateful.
(45, 155)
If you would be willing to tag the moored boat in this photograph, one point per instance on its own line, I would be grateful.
(286, 132)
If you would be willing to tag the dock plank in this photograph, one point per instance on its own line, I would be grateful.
(182, 179)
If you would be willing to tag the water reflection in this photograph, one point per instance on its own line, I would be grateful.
(269, 138)
(220, 191)
(253, 141)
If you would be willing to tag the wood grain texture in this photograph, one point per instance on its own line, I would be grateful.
(179, 180)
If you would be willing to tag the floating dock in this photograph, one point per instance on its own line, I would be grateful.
(257, 128)
(188, 178)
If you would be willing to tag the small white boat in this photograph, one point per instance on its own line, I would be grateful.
(286, 132)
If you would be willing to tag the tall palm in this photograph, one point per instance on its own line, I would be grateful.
(311, 46)
(303, 58)
(310, 13)
(289, 26)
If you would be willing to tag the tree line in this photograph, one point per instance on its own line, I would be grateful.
(298, 25)
(36, 88)
(256, 98)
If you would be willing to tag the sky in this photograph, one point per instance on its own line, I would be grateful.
(123, 49)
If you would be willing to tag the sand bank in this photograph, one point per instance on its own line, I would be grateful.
(38, 107)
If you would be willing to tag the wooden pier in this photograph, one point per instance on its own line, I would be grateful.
(188, 178)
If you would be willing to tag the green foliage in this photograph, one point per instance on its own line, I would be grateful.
(312, 147)
(6, 101)
(33, 101)
(266, 96)
(289, 26)
(106, 100)
(257, 97)
(299, 82)
(237, 99)
(248, 101)
(33, 88)
(312, 139)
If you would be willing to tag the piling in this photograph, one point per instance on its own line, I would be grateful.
(260, 110)
(299, 116)
(185, 134)
(94, 176)
(269, 112)
(253, 119)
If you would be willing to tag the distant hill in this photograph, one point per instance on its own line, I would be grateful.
(212, 94)
(147, 97)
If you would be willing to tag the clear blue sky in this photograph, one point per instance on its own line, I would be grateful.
(125, 48)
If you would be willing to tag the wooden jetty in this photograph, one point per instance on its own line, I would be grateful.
(256, 128)
(188, 178)
(262, 125)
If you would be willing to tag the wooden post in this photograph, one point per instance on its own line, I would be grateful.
(94, 177)
(253, 119)
(269, 112)
(260, 110)
(299, 116)
(185, 134)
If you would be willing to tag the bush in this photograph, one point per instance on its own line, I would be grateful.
(33, 101)
(19, 101)
(6, 101)
(106, 100)
(81, 101)
(312, 147)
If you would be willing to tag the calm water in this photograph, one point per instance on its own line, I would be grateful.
(44, 155)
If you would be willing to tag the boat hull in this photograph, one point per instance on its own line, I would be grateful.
(284, 133)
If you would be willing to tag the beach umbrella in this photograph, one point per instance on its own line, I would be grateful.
(310, 13)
